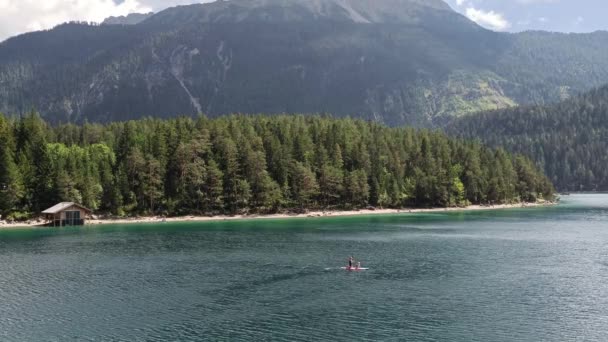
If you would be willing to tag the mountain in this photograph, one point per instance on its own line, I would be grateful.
(569, 139)
(352, 11)
(413, 62)
(131, 19)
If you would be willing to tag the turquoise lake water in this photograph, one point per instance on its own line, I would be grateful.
(536, 274)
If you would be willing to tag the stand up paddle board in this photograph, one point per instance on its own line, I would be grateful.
(355, 269)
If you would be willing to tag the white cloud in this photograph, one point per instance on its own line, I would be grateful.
(19, 16)
(489, 19)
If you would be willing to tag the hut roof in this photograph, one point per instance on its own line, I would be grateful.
(63, 206)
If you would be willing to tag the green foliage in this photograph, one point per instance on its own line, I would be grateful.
(567, 140)
(357, 188)
(17, 216)
(11, 182)
(242, 164)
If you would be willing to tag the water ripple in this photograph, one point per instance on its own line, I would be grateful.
(523, 275)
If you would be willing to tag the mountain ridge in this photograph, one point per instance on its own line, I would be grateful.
(419, 65)
(358, 11)
(131, 19)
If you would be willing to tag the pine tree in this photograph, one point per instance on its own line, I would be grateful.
(304, 184)
(213, 188)
(11, 186)
(183, 167)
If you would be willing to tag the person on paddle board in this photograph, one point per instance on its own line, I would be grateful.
(350, 262)
(358, 265)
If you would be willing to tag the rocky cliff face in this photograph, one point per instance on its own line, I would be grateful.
(395, 61)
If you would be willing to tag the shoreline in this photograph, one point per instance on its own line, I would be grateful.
(312, 214)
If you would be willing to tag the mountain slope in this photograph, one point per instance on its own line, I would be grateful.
(395, 61)
(569, 140)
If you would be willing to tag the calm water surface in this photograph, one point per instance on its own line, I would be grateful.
(514, 275)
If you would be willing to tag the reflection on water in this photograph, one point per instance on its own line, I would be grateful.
(513, 275)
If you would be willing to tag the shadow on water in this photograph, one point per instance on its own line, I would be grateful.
(275, 278)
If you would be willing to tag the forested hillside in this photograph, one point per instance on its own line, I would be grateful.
(250, 164)
(393, 61)
(568, 140)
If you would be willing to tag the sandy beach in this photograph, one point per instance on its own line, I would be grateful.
(312, 214)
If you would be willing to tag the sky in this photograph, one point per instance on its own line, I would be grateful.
(547, 15)
(19, 16)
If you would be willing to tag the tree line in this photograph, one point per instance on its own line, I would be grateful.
(241, 164)
(568, 140)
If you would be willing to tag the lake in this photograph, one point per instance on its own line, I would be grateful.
(538, 274)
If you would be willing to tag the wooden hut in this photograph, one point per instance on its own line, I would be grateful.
(66, 214)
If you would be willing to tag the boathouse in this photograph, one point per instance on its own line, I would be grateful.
(66, 214)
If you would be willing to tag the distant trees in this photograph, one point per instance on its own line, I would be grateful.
(239, 163)
(568, 140)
